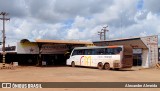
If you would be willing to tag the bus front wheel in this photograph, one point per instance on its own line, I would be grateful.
(100, 66)
(106, 66)
(73, 64)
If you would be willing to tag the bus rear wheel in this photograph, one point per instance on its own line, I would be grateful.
(106, 66)
(100, 66)
(73, 64)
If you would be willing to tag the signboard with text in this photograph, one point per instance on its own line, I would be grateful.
(32, 48)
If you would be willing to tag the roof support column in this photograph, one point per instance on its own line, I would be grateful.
(39, 61)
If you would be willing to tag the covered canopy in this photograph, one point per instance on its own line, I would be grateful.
(63, 41)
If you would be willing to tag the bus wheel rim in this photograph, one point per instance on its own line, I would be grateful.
(107, 66)
(100, 65)
(73, 64)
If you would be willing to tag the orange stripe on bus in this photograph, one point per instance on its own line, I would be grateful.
(112, 46)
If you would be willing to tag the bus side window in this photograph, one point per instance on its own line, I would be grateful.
(94, 52)
(117, 50)
(80, 52)
(106, 51)
(100, 51)
(110, 51)
(74, 52)
(88, 52)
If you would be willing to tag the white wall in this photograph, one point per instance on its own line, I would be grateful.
(145, 61)
(152, 58)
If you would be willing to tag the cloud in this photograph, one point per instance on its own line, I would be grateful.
(53, 11)
(145, 27)
(80, 19)
(15, 8)
(81, 8)
(152, 5)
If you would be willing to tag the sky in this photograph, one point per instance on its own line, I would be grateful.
(79, 19)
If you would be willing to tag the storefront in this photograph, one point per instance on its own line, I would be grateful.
(137, 57)
(52, 52)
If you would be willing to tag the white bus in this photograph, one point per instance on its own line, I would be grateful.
(103, 57)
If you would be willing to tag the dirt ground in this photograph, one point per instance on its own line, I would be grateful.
(78, 74)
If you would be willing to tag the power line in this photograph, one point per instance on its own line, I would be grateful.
(4, 36)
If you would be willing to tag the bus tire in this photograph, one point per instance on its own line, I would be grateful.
(106, 66)
(73, 64)
(116, 69)
(100, 65)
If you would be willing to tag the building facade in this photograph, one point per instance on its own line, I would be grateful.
(53, 52)
(145, 49)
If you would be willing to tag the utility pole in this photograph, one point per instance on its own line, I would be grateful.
(4, 36)
(102, 33)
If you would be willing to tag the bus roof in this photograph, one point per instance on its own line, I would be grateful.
(92, 47)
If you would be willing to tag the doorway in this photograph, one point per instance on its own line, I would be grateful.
(54, 59)
(137, 59)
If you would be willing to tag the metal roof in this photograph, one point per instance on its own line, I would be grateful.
(134, 42)
(63, 41)
(125, 39)
(121, 39)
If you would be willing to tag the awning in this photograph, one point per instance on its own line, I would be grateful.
(64, 41)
